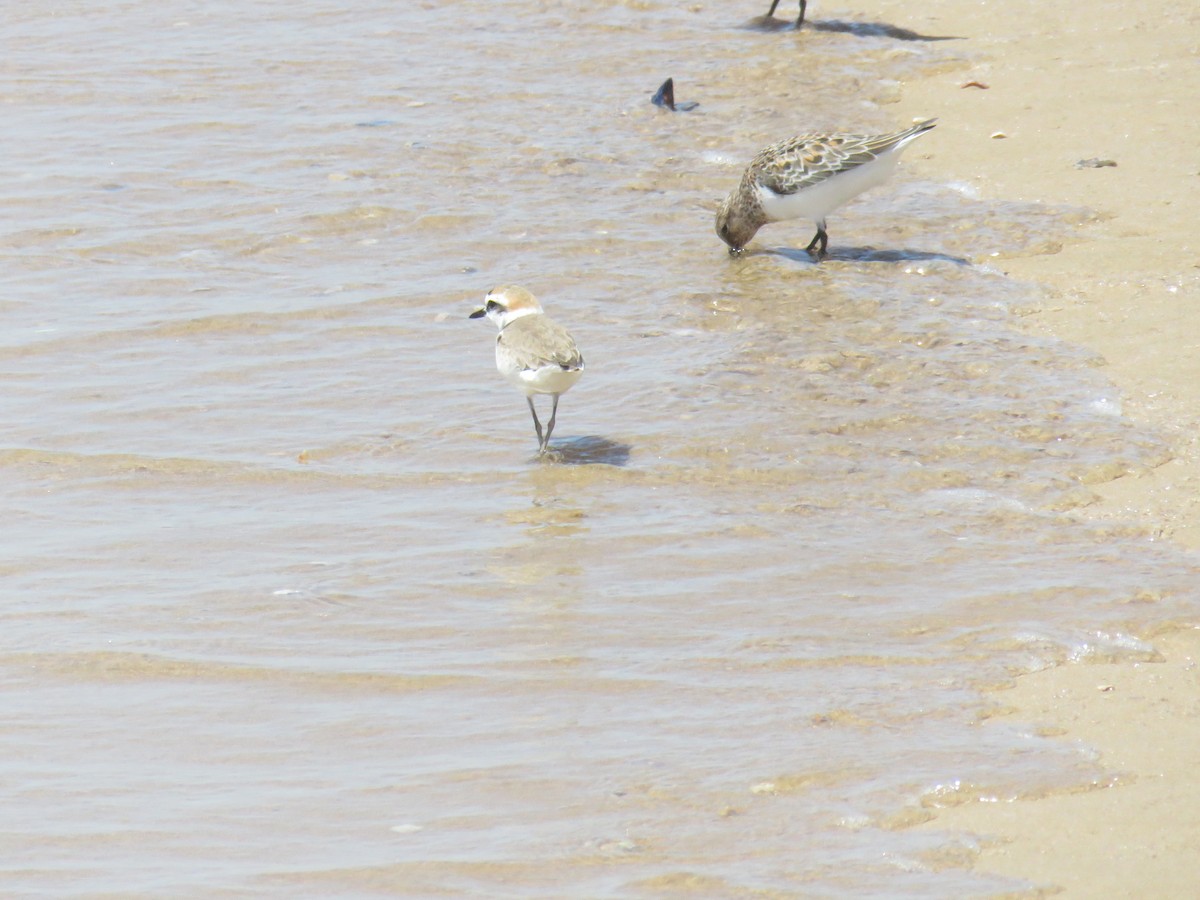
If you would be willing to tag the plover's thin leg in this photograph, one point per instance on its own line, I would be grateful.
(550, 424)
(819, 238)
(536, 424)
(771, 11)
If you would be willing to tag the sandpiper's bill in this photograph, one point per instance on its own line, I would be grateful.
(533, 351)
(808, 177)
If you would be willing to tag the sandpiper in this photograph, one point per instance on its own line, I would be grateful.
(533, 352)
(808, 177)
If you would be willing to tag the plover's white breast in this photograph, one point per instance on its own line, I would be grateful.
(545, 380)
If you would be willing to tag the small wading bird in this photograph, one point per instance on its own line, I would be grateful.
(533, 352)
(803, 7)
(808, 177)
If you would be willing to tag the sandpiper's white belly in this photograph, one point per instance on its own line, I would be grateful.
(818, 201)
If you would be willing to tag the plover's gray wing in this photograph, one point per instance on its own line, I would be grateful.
(532, 342)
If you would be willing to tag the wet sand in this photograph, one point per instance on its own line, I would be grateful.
(1064, 83)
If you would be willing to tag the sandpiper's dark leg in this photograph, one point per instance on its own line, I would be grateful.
(803, 7)
(821, 239)
(771, 11)
(550, 424)
(536, 424)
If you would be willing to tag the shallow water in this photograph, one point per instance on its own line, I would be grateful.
(293, 609)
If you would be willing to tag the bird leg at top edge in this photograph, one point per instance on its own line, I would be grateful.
(803, 7)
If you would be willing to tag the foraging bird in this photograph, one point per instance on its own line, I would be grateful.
(533, 352)
(808, 177)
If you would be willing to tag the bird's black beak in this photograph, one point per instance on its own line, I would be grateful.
(478, 314)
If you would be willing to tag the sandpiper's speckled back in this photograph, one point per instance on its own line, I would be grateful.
(807, 159)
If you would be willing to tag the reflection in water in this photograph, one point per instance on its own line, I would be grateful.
(877, 29)
(770, 23)
(865, 254)
(591, 450)
(839, 26)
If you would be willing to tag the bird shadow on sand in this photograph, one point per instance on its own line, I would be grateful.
(867, 254)
(588, 450)
(837, 26)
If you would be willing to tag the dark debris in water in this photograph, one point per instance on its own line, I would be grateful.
(665, 98)
(1095, 163)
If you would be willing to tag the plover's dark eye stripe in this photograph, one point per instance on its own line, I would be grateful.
(492, 304)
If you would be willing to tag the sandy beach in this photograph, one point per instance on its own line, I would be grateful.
(1042, 88)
